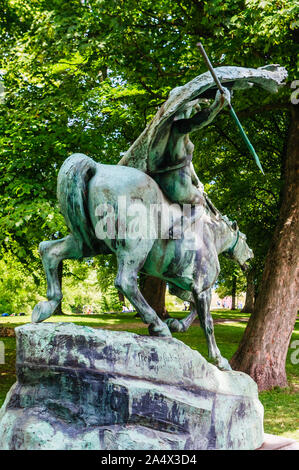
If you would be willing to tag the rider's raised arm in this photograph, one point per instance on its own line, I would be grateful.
(205, 117)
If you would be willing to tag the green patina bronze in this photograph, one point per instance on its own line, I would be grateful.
(84, 388)
(81, 388)
(155, 178)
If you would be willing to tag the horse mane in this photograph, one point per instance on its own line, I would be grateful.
(215, 214)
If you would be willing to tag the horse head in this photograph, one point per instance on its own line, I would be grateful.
(239, 250)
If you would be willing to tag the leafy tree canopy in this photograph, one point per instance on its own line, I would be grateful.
(88, 75)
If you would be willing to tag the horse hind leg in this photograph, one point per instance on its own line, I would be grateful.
(174, 324)
(126, 282)
(52, 253)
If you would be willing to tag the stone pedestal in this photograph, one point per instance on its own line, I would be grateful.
(81, 388)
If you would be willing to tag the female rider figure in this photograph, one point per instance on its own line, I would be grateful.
(177, 178)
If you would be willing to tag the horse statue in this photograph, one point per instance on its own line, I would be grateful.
(88, 194)
(151, 211)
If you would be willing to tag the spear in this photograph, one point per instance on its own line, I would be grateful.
(231, 109)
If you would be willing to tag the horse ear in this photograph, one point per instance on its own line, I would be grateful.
(235, 225)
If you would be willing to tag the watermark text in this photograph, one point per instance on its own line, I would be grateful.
(294, 358)
(2, 352)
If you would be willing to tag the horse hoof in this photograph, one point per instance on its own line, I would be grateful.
(223, 364)
(42, 311)
(174, 324)
(159, 330)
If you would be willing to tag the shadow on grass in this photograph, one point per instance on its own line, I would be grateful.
(281, 405)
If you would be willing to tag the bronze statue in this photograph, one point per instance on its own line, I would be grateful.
(91, 198)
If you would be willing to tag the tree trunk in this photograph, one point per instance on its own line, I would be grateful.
(263, 348)
(153, 290)
(250, 293)
(58, 310)
(234, 290)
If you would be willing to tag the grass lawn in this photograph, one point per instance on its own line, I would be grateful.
(281, 405)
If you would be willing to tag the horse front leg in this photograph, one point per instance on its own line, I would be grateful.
(126, 282)
(52, 253)
(182, 325)
(203, 301)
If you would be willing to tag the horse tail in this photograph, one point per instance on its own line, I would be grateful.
(72, 193)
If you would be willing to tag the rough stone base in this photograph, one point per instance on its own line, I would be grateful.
(81, 388)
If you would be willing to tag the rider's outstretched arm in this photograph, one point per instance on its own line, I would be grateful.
(205, 117)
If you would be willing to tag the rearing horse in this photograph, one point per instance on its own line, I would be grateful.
(88, 192)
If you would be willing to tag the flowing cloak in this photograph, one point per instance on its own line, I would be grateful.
(146, 153)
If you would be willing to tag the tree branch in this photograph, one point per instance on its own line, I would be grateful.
(147, 88)
(220, 131)
(267, 107)
(267, 191)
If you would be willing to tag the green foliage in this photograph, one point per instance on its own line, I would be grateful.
(173, 303)
(110, 301)
(80, 287)
(225, 280)
(106, 272)
(18, 291)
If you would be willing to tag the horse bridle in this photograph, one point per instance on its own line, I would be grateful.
(230, 251)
